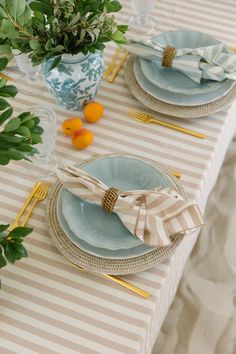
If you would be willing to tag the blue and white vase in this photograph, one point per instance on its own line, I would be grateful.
(75, 81)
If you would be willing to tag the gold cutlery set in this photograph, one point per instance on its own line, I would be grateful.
(39, 193)
(113, 70)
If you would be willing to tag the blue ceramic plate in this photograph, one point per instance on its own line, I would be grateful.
(88, 222)
(172, 80)
(178, 98)
(98, 251)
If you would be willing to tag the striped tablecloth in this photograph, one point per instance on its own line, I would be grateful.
(46, 305)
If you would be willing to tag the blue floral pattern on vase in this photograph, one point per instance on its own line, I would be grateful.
(75, 81)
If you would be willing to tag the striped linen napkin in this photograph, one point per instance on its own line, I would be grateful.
(151, 215)
(215, 62)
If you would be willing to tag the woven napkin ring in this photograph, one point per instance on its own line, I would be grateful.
(168, 56)
(109, 199)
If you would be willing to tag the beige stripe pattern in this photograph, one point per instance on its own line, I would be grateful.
(49, 307)
(151, 215)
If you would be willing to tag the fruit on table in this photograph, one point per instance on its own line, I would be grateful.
(82, 138)
(93, 111)
(71, 125)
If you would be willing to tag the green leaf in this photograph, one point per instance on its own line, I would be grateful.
(3, 262)
(30, 123)
(4, 160)
(27, 148)
(24, 116)
(35, 44)
(55, 63)
(11, 138)
(48, 45)
(20, 232)
(4, 227)
(3, 104)
(9, 29)
(43, 6)
(38, 130)
(123, 28)
(12, 155)
(5, 49)
(112, 6)
(3, 63)
(20, 251)
(12, 125)
(10, 253)
(5, 115)
(118, 37)
(8, 91)
(3, 82)
(16, 8)
(36, 139)
(24, 131)
(25, 17)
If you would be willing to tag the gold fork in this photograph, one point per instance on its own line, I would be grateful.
(40, 195)
(114, 70)
(27, 202)
(147, 118)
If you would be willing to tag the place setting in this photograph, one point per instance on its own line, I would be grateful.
(184, 74)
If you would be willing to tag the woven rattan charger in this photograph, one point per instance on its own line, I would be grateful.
(106, 265)
(171, 109)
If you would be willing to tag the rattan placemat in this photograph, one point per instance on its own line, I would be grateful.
(103, 265)
(174, 110)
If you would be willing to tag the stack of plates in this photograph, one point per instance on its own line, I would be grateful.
(85, 229)
(162, 89)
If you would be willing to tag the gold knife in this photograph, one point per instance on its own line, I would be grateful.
(120, 281)
(30, 196)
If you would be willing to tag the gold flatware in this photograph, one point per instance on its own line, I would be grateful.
(113, 69)
(120, 281)
(234, 49)
(40, 195)
(147, 118)
(177, 174)
(112, 65)
(119, 66)
(28, 200)
(129, 286)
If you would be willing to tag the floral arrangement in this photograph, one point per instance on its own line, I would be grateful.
(49, 28)
(17, 137)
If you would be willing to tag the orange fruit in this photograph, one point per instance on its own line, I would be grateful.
(71, 125)
(82, 138)
(93, 111)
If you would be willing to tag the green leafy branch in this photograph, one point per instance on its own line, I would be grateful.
(50, 28)
(11, 248)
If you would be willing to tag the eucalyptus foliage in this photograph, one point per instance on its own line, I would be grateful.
(50, 28)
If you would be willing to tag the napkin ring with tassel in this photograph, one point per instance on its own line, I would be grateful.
(109, 199)
(168, 56)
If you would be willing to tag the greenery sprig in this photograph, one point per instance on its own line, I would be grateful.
(50, 28)
(17, 135)
(11, 248)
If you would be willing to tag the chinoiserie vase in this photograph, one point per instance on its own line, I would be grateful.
(76, 79)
